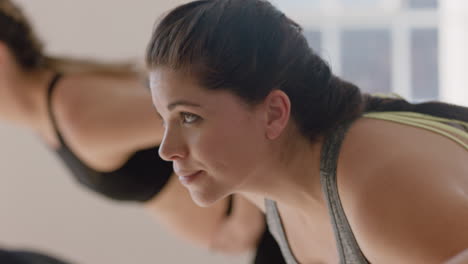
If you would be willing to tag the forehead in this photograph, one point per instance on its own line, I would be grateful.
(161, 77)
(169, 86)
(166, 84)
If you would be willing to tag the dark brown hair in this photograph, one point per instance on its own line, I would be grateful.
(250, 48)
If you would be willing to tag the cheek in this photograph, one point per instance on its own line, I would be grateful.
(229, 146)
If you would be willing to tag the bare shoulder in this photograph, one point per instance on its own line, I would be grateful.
(401, 189)
(80, 94)
(105, 118)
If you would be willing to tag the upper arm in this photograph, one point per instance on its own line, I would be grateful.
(408, 212)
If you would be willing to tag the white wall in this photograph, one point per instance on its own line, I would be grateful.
(41, 207)
(453, 51)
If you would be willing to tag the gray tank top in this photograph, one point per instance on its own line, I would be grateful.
(348, 248)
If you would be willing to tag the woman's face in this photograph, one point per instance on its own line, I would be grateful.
(214, 140)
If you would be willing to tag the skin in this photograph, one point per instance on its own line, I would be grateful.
(103, 134)
(397, 194)
(461, 258)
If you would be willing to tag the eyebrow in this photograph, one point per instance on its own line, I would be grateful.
(181, 102)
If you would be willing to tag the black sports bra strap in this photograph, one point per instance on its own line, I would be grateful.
(50, 91)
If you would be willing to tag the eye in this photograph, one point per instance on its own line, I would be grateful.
(188, 118)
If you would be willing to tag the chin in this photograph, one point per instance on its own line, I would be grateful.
(205, 199)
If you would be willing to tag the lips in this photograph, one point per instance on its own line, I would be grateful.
(186, 178)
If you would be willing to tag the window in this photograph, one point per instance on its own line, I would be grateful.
(422, 4)
(381, 45)
(314, 38)
(366, 58)
(424, 64)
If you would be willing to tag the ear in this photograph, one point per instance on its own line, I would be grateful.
(278, 111)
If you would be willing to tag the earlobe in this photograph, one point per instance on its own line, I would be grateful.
(278, 111)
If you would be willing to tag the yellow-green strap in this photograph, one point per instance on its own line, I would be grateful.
(424, 121)
(425, 116)
(388, 95)
(427, 120)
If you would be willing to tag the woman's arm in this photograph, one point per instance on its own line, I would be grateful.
(241, 230)
(208, 227)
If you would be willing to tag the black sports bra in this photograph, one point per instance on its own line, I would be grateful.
(26, 257)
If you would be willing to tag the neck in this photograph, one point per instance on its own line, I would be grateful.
(294, 181)
(23, 99)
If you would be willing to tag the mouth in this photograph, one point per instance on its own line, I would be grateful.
(187, 179)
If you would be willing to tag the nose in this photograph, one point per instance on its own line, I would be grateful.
(172, 146)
